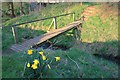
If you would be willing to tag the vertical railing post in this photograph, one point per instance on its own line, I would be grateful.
(83, 18)
(55, 23)
(73, 16)
(14, 31)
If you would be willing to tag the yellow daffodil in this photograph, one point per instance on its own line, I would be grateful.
(34, 66)
(36, 61)
(49, 66)
(44, 57)
(28, 64)
(57, 58)
(41, 53)
(30, 52)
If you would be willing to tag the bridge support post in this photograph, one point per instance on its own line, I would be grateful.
(77, 32)
(14, 31)
(79, 28)
(55, 22)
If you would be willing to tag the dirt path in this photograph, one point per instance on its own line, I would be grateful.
(89, 11)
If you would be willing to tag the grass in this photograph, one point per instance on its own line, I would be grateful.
(102, 31)
(10, 64)
(88, 65)
(0, 66)
(98, 36)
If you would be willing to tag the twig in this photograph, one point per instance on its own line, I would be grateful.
(57, 42)
(73, 61)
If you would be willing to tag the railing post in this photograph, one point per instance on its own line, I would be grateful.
(83, 18)
(14, 30)
(73, 16)
(55, 23)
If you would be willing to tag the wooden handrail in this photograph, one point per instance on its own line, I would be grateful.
(38, 20)
(15, 25)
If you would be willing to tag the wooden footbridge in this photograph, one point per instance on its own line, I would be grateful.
(42, 38)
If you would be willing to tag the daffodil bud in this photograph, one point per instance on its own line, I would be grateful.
(57, 58)
(30, 52)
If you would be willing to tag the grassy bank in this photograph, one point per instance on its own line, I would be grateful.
(99, 36)
(74, 63)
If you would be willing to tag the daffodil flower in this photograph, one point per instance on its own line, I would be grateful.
(30, 52)
(28, 64)
(41, 53)
(57, 58)
(49, 66)
(36, 61)
(44, 57)
(34, 66)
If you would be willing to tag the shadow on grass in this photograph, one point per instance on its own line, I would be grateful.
(106, 50)
(110, 57)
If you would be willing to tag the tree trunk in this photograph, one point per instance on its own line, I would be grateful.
(81, 4)
(21, 9)
(11, 9)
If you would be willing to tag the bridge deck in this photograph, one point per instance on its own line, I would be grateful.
(40, 39)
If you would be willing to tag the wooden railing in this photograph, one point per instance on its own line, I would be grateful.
(14, 27)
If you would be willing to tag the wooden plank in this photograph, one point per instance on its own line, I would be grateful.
(16, 48)
(40, 39)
